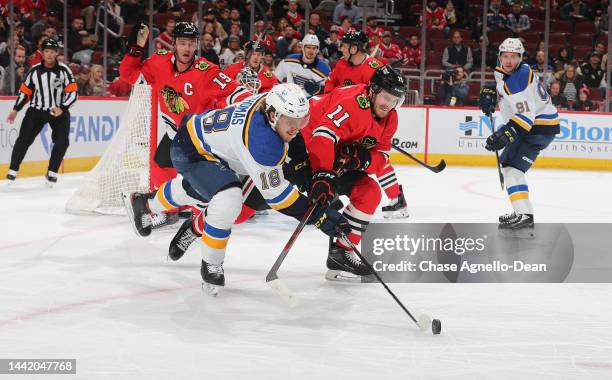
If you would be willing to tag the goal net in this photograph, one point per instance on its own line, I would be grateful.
(125, 165)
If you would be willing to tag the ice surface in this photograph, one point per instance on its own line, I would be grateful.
(86, 287)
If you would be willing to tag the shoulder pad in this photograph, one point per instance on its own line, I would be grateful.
(202, 65)
(264, 144)
(518, 80)
(374, 64)
(362, 101)
(267, 74)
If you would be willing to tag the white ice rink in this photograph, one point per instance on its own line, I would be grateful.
(86, 287)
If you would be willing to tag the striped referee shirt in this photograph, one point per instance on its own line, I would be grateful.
(46, 88)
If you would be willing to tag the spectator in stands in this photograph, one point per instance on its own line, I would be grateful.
(454, 87)
(412, 51)
(228, 55)
(316, 28)
(571, 83)
(164, 40)
(82, 79)
(331, 48)
(372, 27)
(5, 50)
(600, 48)
(434, 16)
(454, 18)
(346, 8)
(457, 54)
(235, 18)
(545, 72)
(345, 26)
(326, 7)
(218, 31)
(390, 51)
(557, 98)
(294, 17)
(287, 43)
(559, 69)
(518, 22)
(209, 27)
(575, 10)
(20, 71)
(96, 82)
(584, 102)
(235, 31)
(36, 57)
(563, 56)
(84, 56)
(592, 72)
(208, 47)
(76, 32)
(281, 24)
(224, 18)
(496, 20)
(263, 36)
(132, 11)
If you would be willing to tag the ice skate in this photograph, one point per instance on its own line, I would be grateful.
(343, 265)
(138, 212)
(521, 227)
(182, 240)
(397, 207)
(213, 277)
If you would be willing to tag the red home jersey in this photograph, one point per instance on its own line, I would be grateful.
(345, 116)
(267, 77)
(346, 74)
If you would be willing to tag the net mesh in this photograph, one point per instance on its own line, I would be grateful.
(124, 166)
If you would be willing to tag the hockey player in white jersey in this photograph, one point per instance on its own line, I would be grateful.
(530, 123)
(211, 150)
(305, 69)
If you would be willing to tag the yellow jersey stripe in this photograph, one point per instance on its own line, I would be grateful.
(519, 195)
(522, 123)
(214, 243)
(291, 198)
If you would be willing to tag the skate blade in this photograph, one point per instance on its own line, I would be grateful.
(399, 214)
(210, 289)
(127, 203)
(342, 276)
(523, 233)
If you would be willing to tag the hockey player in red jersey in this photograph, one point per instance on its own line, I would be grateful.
(183, 82)
(348, 139)
(254, 57)
(357, 67)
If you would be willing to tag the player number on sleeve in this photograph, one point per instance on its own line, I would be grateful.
(338, 121)
(271, 180)
(521, 107)
(223, 77)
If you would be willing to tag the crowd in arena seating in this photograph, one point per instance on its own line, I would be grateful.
(575, 72)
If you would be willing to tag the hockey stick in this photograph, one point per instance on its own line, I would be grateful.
(424, 321)
(436, 169)
(501, 176)
(272, 278)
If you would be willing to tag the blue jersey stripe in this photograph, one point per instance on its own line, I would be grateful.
(517, 188)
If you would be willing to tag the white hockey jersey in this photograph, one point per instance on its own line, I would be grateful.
(293, 70)
(240, 137)
(525, 102)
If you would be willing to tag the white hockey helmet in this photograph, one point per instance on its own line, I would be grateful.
(512, 45)
(287, 99)
(310, 39)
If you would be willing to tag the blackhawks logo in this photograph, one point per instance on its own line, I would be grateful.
(174, 100)
(161, 52)
(363, 102)
(374, 64)
(368, 142)
(267, 74)
(348, 82)
(202, 65)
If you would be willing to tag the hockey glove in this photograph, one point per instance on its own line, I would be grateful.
(354, 157)
(298, 172)
(312, 87)
(330, 221)
(488, 100)
(502, 137)
(323, 188)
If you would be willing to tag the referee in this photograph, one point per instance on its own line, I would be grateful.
(51, 90)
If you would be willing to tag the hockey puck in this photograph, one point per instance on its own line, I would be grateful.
(436, 326)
